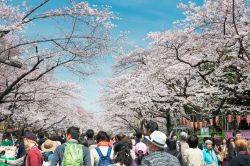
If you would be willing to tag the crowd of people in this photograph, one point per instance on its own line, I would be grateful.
(150, 147)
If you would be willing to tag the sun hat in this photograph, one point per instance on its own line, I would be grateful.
(141, 148)
(29, 135)
(158, 139)
(49, 146)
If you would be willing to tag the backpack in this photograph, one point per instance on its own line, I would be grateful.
(73, 154)
(104, 160)
(46, 156)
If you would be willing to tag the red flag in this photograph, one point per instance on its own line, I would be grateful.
(238, 118)
(211, 122)
(230, 118)
(248, 118)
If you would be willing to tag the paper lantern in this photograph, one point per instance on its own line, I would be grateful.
(248, 118)
(230, 118)
(238, 118)
(201, 124)
(197, 124)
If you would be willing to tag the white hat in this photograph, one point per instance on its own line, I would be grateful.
(158, 139)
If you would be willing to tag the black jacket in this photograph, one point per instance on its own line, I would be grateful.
(243, 159)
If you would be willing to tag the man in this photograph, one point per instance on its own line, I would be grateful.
(90, 138)
(41, 139)
(183, 142)
(157, 156)
(243, 157)
(59, 155)
(150, 127)
(192, 155)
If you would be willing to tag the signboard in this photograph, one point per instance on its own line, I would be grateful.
(205, 132)
(244, 134)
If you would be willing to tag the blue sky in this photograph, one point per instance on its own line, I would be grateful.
(138, 17)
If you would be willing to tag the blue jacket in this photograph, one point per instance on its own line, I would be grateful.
(209, 157)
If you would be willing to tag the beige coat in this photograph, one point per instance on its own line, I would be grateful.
(193, 157)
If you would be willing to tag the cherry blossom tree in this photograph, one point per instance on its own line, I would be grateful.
(29, 94)
(199, 68)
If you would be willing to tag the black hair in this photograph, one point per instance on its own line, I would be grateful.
(102, 136)
(122, 153)
(138, 133)
(90, 133)
(119, 137)
(83, 141)
(193, 141)
(74, 132)
(171, 144)
(40, 135)
(152, 126)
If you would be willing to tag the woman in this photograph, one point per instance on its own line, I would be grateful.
(104, 148)
(141, 150)
(122, 155)
(34, 156)
(224, 152)
(209, 156)
(48, 148)
(193, 155)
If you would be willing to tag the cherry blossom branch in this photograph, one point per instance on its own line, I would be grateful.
(13, 84)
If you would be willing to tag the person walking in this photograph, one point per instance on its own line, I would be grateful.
(171, 149)
(193, 155)
(141, 150)
(34, 156)
(243, 157)
(157, 155)
(122, 155)
(103, 152)
(63, 153)
(48, 148)
(90, 138)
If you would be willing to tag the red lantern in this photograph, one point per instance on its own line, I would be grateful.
(248, 118)
(238, 118)
(230, 118)
(197, 125)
